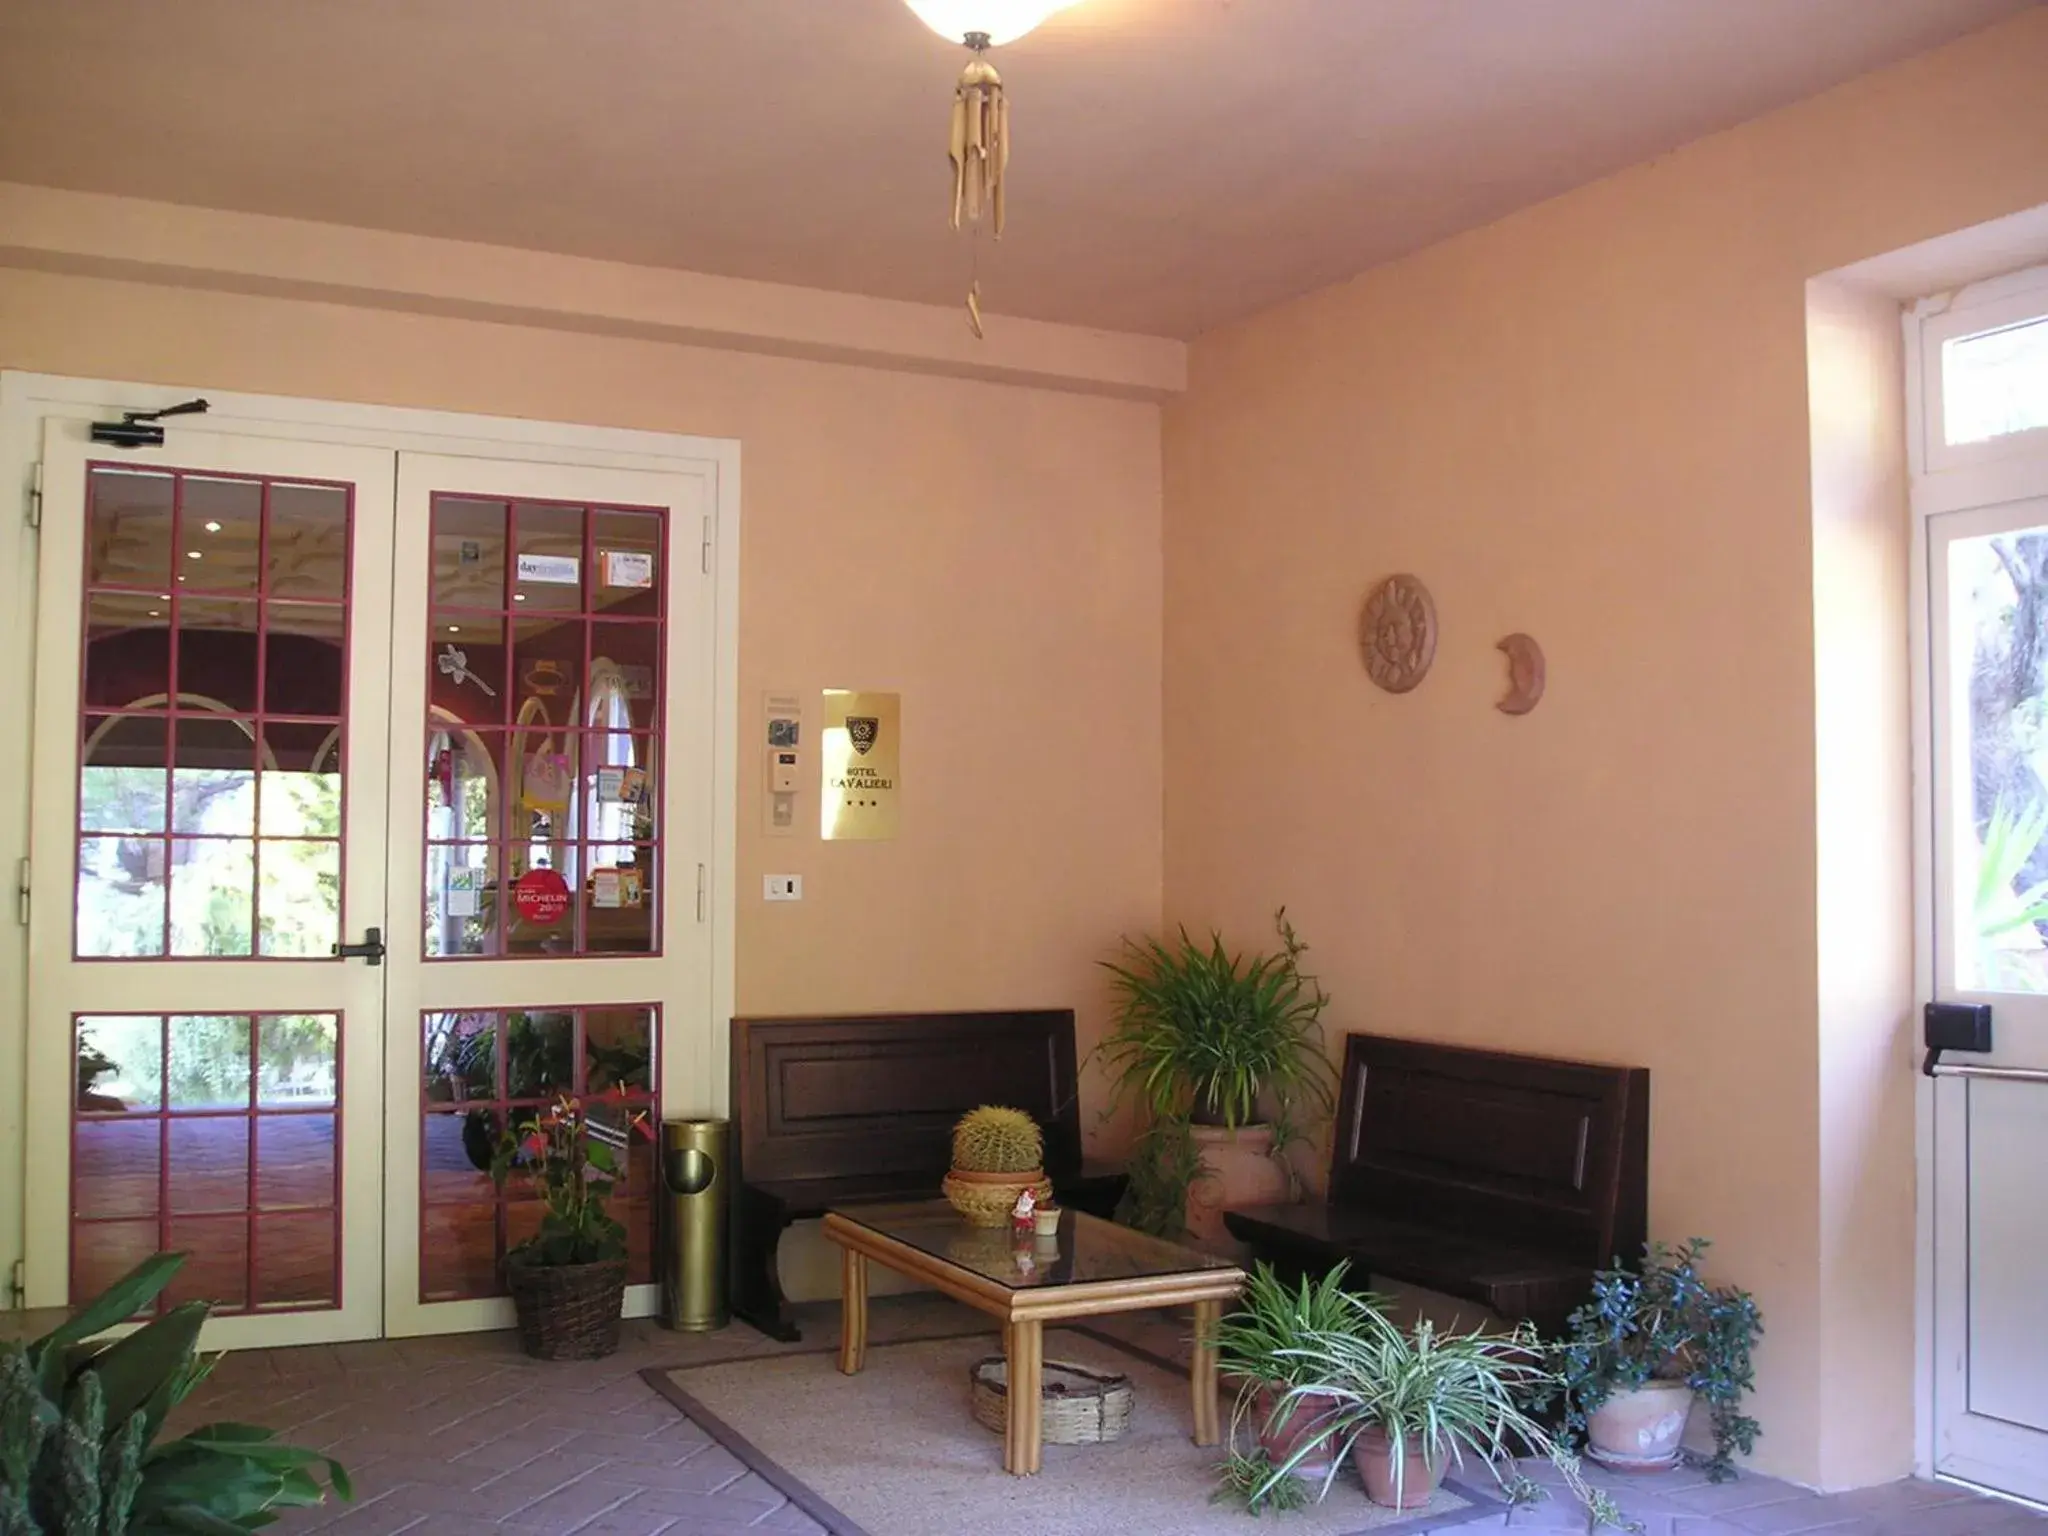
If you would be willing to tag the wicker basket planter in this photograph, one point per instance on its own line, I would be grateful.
(1077, 1406)
(986, 1199)
(568, 1311)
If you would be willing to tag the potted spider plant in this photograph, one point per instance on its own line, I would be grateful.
(1647, 1345)
(1255, 1344)
(568, 1280)
(1208, 1041)
(1403, 1405)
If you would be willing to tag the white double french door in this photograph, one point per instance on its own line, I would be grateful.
(373, 810)
(1987, 593)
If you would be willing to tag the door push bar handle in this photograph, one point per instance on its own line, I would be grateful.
(371, 949)
(1966, 1027)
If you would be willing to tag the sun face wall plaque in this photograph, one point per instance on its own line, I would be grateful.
(1397, 633)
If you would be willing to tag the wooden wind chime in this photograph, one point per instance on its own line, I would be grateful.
(980, 152)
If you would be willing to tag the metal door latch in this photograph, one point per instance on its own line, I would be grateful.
(371, 949)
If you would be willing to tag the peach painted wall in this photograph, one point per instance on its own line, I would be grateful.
(991, 551)
(1589, 421)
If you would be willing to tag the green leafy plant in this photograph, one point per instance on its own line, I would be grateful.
(992, 1139)
(571, 1157)
(1206, 1037)
(1664, 1323)
(1164, 1162)
(79, 1417)
(1258, 1339)
(2010, 951)
(1442, 1395)
(1245, 1478)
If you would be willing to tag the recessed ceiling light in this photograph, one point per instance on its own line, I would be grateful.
(193, 554)
(518, 597)
(454, 629)
(212, 527)
(155, 613)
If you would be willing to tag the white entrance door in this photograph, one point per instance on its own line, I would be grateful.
(290, 698)
(1988, 631)
(551, 845)
(209, 799)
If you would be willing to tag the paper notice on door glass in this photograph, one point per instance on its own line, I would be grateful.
(551, 570)
(462, 893)
(614, 888)
(611, 783)
(627, 567)
(858, 750)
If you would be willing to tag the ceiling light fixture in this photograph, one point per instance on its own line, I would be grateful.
(996, 21)
(979, 144)
(212, 527)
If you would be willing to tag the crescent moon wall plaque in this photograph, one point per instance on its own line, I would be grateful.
(1525, 674)
(1397, 633)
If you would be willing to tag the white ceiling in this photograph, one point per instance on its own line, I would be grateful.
(1178, 162)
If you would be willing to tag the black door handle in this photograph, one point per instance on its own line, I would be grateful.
(371, 949)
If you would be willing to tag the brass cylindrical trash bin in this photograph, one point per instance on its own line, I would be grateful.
(693, 1204)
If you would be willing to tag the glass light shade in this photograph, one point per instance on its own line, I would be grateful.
(1003, 20)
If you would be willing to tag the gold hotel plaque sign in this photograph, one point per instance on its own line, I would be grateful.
(860, 761)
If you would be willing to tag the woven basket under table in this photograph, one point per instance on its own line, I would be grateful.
(1076, 1406)
(568, 1311)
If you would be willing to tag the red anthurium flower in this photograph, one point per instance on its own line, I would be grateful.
(535, 1144)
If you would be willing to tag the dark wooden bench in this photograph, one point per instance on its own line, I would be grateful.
(1496, 1178)
(834, 1111)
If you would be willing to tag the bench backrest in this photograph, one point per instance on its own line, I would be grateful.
(1551, 1155)
(878, 1094)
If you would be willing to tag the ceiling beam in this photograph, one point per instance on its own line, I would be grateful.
(173, 244)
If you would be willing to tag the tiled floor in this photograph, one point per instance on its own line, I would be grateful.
(465, 1437)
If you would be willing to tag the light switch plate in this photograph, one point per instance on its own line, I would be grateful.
(782, 887)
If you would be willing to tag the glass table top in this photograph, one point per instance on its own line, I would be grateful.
(1085, 1250)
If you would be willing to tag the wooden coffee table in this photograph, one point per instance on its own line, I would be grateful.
(1090, 1268)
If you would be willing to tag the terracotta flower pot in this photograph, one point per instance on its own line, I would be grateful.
(1639, 1429)
(1372, 1454)
(1237, 1170)
(1280, 1440)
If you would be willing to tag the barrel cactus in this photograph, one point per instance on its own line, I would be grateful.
(996, 1140)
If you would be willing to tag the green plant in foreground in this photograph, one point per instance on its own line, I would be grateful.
(79, 1419)
(1665, 1323)
(992, 1139)
(1442, 1395)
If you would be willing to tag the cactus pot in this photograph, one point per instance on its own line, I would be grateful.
(986, 1199)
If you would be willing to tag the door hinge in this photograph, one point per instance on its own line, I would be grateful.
(21, 893)
(707, 544)
(35, 496)
(17, 1284)
(701, 889)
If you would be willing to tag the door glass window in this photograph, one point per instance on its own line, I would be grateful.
(212, 730)
(544, 674)
(217, 1135)
(1997, 797)
(485, 1069)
